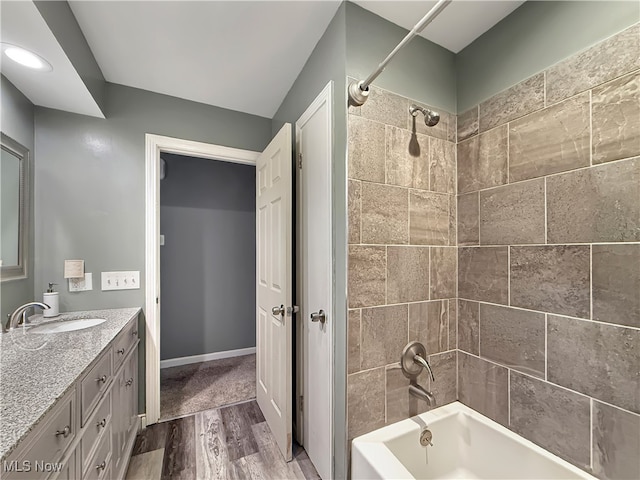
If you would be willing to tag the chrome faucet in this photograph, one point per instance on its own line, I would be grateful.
(418, 391)
(14, 319)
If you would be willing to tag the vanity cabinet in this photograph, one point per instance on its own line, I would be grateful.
(88, 433)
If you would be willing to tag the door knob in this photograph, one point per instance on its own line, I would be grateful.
(319, 316)
(278, 310)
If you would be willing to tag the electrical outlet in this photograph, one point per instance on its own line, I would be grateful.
(81, 284)
(120, 280)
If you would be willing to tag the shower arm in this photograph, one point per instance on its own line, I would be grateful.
(359, 91)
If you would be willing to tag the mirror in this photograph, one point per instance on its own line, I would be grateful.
(14, 165)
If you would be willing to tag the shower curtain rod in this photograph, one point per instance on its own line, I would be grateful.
(359, 91)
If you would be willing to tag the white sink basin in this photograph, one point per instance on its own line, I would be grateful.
(67, 325)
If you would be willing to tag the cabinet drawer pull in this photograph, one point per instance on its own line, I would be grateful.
(129, 382)
(102, 379)
(102, 466)
(134, 333)
(101, 423)
(64, 432)
(120, 351)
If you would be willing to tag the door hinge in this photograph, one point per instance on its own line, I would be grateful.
(302, 403)
(299, 160)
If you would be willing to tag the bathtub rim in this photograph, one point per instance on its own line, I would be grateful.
(372, 446)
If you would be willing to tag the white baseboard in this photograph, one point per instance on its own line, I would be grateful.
(174, 362)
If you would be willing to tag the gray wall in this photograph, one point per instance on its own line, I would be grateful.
(17, 122)
(327, 62)
(422, 71)
(535, 36)
(208, 262)
(90, 194)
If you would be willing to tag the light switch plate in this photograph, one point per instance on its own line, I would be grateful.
(81, 284)
(121, 280)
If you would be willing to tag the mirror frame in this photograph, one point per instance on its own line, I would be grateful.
(19, 272)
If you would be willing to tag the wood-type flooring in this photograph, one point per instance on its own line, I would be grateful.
(231, 443)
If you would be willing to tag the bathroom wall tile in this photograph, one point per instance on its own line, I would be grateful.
(554, 418)
(367, 276)
(355, 195)
(407, 158)
(468, 124)
(616, 443)
(442, 166)
(386, 107)
(407, 274)
(443, 272)
(428, 218)
(599, 204)
(521, 99)
(453, 323)
(483, 274)
(353, 355)
(366, 149)
(444, 366)
(484, 386)
(468, 219)
(604, 61)
(365, 401)
(513, 214)
(552, 140)
(453, 220)
(400, 404)
(616, 119)
(383, 335)
(429, 325)
(596, 359)
(616, 284)
(513, 338)
(482, 161)
(551, 279)
(385, 214)
(469, 326)
(445, 128)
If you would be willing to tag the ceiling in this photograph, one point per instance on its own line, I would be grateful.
(62, 88)
(457, 25)
(240, 55)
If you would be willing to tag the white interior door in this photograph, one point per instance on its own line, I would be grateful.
(274, 287)
(314, 142)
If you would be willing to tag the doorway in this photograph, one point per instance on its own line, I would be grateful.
(208, 276)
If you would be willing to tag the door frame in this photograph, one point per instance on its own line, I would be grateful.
(154, 145)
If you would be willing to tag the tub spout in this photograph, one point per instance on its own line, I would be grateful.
(419, 392)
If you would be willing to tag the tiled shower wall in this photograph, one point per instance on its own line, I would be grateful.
(402, 257)
(549, 258)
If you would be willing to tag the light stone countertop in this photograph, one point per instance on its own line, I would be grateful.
(36, 369)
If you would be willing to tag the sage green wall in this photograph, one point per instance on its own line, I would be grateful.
(327, 62)
(535, 36)
(422, 70)
(16, 121)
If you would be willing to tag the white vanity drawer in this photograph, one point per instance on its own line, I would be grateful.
(94, 384)
(68, 471)
(123, 343)
(47, 444)
(95, 429)
(100, 462)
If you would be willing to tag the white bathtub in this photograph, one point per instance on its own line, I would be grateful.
(466, 445)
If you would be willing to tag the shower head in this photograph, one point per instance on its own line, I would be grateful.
(431, 118)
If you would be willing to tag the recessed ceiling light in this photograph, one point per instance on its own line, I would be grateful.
(26, 58)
